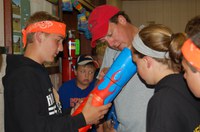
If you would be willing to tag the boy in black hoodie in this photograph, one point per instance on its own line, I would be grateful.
(31, 104)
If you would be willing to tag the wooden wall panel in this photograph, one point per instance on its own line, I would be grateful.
(8, 25)
(173, 13)
(1, 23)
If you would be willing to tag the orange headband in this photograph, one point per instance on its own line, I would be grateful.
(44, 26)
(191, 53)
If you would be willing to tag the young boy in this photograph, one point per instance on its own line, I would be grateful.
(191, 63)
(30, 103)
(191, 74)
(72, 91)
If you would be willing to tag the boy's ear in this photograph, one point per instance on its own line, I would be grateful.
(38, 36)
(75, 72)
(198, 72)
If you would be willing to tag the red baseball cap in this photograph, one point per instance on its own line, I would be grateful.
(98, 21)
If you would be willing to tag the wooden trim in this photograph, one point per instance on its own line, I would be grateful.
(87, 4)
(8, 25)
(60, 15)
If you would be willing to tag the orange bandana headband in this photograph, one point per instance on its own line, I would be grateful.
(44, 26)
(191, 53)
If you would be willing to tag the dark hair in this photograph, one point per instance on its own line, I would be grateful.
(193, 26)
(41, 16)
(196, 39)
(160, 38)
(114, 19)
(192, 30)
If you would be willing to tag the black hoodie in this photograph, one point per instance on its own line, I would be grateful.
(30, 105)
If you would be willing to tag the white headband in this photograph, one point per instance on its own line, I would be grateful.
(142, 48)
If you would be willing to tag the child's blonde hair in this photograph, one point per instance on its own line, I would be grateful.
(100, 51)
(100, 48)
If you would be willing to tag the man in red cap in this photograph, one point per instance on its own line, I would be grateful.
(108, 23)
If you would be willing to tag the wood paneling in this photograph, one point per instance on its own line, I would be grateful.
(8, 25)
(1, 24)
(173, 13)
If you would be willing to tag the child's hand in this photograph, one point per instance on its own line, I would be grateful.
(92, 113)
